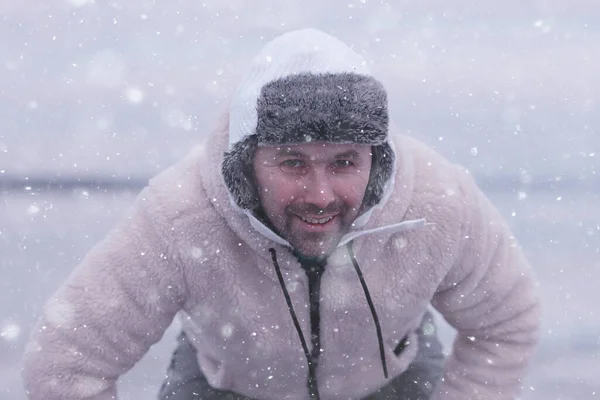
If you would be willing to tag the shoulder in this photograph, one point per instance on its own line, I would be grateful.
(436, 184)
(178, 192)
(446, 194)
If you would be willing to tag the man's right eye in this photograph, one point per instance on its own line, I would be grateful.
(293, 167)
(292, 164)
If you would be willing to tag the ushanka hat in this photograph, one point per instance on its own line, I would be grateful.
(306, 86)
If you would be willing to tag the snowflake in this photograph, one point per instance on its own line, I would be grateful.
(80, 3)
(134, 94)
(227, 330)
(10, 332)
(197, 252)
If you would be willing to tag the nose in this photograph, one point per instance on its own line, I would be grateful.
(319, 190)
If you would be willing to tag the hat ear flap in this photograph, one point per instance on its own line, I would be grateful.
(382, 168)
(238, 173)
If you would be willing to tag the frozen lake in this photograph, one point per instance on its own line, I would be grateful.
(43, 235)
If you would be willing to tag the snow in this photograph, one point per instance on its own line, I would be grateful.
(428, 329)
(121, 90)
(10, 332)
(134, 94)
(227, 330)
(33, 209)
(197, 252)
(80, 3)
(400, 242)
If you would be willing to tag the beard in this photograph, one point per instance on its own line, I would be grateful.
(313, 244)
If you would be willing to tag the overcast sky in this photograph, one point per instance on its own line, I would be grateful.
(124, 88)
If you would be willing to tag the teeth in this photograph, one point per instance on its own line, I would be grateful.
(317, 221)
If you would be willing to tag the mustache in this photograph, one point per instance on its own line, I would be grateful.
(337, 207)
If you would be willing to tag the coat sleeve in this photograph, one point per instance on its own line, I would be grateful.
(114, 305)
(491, 297)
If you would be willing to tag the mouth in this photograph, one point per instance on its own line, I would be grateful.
(318, 223)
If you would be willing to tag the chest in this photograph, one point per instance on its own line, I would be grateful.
(242, 307)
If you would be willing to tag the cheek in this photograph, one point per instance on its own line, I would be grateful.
(353, 191)
(279, 192)
(354, 197)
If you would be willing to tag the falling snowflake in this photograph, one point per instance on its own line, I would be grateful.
(400, 242)
(134, 94)
(428, 329)
(197, 252)
(80, 3)
(10, 332)
(227, 330)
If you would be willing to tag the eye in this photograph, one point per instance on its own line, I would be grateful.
(343, 164)
(292, 164)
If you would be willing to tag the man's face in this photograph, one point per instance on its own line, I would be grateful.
(312, 192)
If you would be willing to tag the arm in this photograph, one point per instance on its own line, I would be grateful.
(112, 308)
(490, 297)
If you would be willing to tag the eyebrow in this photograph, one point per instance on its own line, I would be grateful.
(348, 154)
(286, 151)
(297, 153)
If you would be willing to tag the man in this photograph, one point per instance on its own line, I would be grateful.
(302, 245)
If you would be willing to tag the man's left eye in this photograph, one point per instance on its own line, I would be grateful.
(343, 164)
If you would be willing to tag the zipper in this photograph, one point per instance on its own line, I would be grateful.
(314, 271)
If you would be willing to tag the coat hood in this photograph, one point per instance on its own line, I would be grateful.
(307, 86)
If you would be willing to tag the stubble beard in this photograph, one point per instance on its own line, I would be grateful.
(314, 244)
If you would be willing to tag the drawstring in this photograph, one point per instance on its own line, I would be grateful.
(372, 307)
(312, 379)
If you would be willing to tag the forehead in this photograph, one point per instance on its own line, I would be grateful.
(315, 150)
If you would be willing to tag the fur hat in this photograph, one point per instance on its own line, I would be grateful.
(306, 86)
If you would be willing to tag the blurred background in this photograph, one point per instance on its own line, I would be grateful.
(97, 97)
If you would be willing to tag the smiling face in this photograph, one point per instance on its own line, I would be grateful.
(311, 193)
